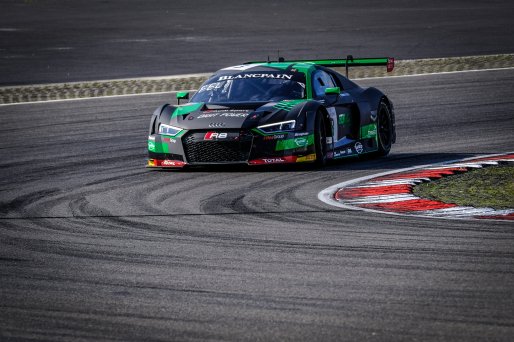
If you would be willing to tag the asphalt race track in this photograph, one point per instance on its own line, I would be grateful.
(94, 246)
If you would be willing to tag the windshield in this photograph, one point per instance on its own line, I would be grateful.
(255, 87)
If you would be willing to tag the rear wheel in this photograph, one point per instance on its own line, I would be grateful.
(320, 140)
(385, 130)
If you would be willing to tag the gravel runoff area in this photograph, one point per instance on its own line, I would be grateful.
(74, 90)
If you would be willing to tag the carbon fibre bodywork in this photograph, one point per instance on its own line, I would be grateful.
(265, 128)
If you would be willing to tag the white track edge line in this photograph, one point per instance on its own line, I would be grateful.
(95, 97)
(179, 76)
(433, 73)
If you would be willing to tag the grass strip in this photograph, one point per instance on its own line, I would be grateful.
(491, 187)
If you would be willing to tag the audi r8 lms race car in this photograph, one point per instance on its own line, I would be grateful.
(274, 113)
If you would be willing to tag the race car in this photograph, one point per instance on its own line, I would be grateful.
(274, 112)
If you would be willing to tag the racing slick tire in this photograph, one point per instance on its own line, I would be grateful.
(320, 140)
(384, 129)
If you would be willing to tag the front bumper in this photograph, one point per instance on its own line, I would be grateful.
(208, 147)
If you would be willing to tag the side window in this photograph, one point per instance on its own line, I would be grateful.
(321, 81)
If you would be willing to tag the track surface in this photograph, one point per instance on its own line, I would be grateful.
(93, 246)
(45, 41)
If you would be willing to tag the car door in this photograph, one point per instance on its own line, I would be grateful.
(338, 107)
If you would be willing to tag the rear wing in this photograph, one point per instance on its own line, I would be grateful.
(349, 61)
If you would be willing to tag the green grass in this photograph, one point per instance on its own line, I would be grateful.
(487, 187)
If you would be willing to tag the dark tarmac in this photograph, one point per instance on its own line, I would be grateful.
(43, 41)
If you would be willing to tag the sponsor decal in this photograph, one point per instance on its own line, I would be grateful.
(214, 136)
(172, 163)
(289, 144)
(344, 152)
(343, 119)
(273, 160)
(274, 137)
(234, 115)
(278, 160)
(358, 147)
(241, 76)
(307, 158)
(340, 153)
(224, 114)
(211, 86)
(170, 140)
(300, 142)
(373, 115)
(369, 131)
(207, 115)
(151, 145)
(165, 163)
(329, 140)
(231, 111)
(301, 134)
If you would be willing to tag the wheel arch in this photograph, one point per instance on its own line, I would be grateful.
(311, 109)
(374, 98)
(155, 120)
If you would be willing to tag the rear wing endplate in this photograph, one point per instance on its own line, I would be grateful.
(349, 61)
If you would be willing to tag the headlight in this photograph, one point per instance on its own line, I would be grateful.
(278, 127)
(169, 130)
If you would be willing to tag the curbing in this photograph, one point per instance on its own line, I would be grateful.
(391, 192)
(154, 85)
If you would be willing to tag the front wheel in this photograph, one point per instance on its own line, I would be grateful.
(385, 130)
(320, 140)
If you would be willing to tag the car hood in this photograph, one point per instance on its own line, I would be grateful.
(226, 116)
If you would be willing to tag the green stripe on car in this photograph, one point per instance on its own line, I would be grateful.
(299, 142)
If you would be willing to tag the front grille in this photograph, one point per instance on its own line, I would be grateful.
(235, 148)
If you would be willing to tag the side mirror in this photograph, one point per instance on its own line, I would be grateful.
(182, 95)
(333, 91)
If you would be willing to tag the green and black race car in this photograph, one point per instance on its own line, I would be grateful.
(274, 113)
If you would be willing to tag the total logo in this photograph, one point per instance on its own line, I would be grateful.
(274, 160)
(286, 159)
(215, 136)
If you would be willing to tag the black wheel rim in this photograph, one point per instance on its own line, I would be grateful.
(384, 128)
